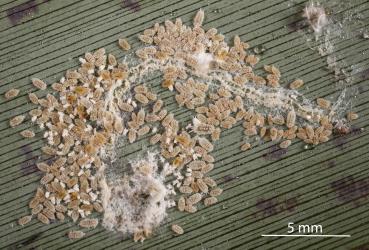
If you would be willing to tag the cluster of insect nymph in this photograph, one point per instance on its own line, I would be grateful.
(106, 100)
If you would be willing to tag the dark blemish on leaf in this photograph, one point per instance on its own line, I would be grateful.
(362, 89)
(132, 5)
(351, 190)
(50, 160)
(291, 204)
(356, 130)
(267, 207)
(29, 165)
(341, 129)
(28, 241)
(331, 163)
(274, 206)
(364, 75)
(296, 26)
(275, 153)
(229, 178)
(342, 141)
(17, 13)
(364, 246)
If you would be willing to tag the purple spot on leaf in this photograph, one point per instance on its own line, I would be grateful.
(361, 89)
(29, 165)
(267, 207)
(275, 153)
(274, 206)
(132, 5)
(364, 74)
(340, 142)
(331, 163)
(230, 177)
(17, 13)
(295, 26)
(355, 130)
(343, 140)
(291, 204)
(364, 246)
(349, 189)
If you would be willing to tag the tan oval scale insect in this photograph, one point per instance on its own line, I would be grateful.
(57, 87)
(75, 215)
(112, 60)
(197, 174)
(60, 216)
(89, 223)
(296, 84)
(49, 205)
(245, 146)
(155, 139)
(309, 132)
(177, 229)
(323, 103)
(207, 168)
(151, 118)
(35, 112)
(48, 150)
(209, 181)
(39, 83)
(49, 214)
(41, 217)
(210, 201)
(202, 185)
(151, 96)
(195, 198)
(123, 43)
(208, 158)
(197, 165)
(98, 207)
(352, 116)
(118, 125)
(140, 89)
(75, 235)
(43, 167)
(46, 179)
(191, 209)
(291, 118)
(60, 208)
(215, 135)
(132, 135)
(206, 144)
(285, 144)
(181, 204)
(27, 133)
(37, 209)
(11, 93)
(125, 106)
(145, 39)
(185, 189)
(216, 192)
(157, 106)
(143, 130)
(24, 220)
(17, 120)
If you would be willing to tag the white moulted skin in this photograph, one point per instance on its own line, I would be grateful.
(137, 202)
(316, 17)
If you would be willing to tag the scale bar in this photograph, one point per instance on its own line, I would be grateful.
(306, 235)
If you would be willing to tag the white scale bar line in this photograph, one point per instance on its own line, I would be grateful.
(305, 235)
